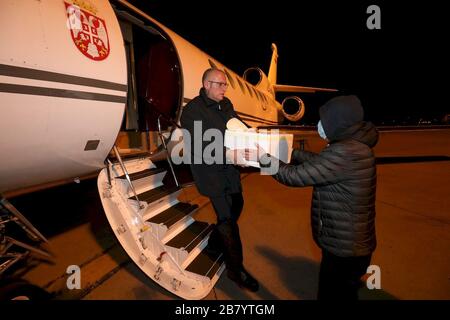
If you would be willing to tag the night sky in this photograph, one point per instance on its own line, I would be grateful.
(396, 71)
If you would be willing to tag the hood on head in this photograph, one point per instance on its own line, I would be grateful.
(340, 113)
(364, 132)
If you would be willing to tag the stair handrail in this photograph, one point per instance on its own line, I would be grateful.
(165, 146)
(127, 176)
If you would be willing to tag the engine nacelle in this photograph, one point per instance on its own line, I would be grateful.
(256, 77)
(293, 108)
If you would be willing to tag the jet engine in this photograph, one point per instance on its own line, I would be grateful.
(293, 108)
(256, 77)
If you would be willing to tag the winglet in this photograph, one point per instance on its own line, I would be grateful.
(273, 65)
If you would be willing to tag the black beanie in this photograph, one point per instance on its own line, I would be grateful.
(340, 113)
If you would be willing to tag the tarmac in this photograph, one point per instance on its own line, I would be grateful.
(412, 225)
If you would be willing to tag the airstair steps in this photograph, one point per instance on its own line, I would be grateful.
(142, 174)
(142, 181)
(188, 243)
(172, 220)
(155, 199)
(207, 263)
(190, 237)
(166, 226)
(156, 194)
(172, 215)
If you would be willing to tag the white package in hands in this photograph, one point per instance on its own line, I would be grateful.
(274, 143)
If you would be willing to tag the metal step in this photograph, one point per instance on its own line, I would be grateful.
(184, 246)
(143, 180)
(142, 174)
(190, 237)
(171, 220)
(207, 263)
(156, 194)
(155, 200)
(170, 216)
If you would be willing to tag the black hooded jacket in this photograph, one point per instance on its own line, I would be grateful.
(344, 178)
(214, 179)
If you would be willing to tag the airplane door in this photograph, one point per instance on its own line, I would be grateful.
(63, 89)
(159, 83)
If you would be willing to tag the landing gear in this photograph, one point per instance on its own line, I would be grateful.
(13, 251)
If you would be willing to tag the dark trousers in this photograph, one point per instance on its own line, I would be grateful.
(339, 277)
(228, 207)
(225, 236)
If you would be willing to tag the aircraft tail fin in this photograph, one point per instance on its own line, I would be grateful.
(287, 88)
(273, 65)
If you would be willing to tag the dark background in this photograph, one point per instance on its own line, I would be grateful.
(397, 71)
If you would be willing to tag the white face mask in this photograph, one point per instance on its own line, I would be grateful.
(321, 131)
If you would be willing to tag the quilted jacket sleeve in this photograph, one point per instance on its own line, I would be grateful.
(327, 167)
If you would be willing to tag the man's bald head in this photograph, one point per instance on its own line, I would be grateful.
(215, 84)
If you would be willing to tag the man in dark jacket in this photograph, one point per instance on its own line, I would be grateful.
(343, 204)
(214, 175)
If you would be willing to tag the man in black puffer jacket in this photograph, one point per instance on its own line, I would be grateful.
(218, 179)
(343, 204)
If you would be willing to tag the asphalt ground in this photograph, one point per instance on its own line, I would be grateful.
(412, 224)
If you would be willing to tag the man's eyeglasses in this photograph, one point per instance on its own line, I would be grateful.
(220, 84)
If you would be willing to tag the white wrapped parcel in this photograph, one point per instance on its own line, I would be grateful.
(278, 145)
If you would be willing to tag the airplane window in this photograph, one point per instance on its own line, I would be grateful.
(230, 78)
(249, 90)
(241, 85)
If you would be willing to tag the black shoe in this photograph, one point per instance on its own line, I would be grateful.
(244, 279)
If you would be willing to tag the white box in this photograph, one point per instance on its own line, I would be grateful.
(274, 143)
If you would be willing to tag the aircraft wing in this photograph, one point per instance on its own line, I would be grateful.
(287, 88)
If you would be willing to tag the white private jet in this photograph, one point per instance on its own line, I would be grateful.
(73, 73)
